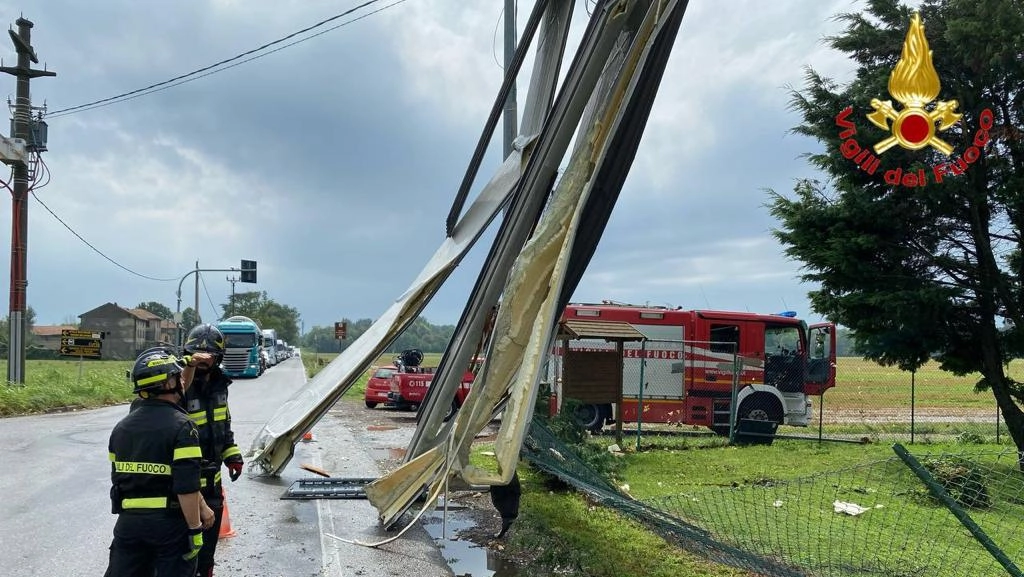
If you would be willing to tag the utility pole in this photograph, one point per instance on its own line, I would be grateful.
(511, 122)
(199, 317)
(248, 271)
(22, 128)
(231, 303)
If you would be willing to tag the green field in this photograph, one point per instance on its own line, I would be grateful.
(862, 384)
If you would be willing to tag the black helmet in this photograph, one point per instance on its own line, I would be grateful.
(205, 338)
(152, 369)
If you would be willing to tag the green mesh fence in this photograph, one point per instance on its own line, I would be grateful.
(943, 515)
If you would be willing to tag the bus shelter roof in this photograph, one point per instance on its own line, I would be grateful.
(607, 330)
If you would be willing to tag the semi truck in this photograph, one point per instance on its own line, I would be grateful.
(664, 365)
(243, 339)
(270, 346)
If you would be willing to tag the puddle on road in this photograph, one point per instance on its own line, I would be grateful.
(392, 453)
(465, 558)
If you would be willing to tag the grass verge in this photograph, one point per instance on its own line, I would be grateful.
(564, 534)
(65, 385)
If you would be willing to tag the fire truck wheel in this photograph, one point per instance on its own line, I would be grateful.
(589, 417)
(760, 408)
(371, 405)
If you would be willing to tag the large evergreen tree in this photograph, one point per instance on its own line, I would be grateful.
(921, 271)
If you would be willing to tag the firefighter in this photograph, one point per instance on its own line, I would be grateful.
(207, 405)
(155, 461)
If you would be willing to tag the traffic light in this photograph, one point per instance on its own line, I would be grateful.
(248, 271)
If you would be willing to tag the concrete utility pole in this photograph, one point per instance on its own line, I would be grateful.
(18, 320)
(511, 122)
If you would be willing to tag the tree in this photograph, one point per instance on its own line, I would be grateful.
(5, 332)
(267, 313)
(423, 335)
(158, 309)
(189, 319)
(916, 269)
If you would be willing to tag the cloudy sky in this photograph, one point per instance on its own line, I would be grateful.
(333, 162)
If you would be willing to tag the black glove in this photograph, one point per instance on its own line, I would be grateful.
(234, 464)
(195, 543)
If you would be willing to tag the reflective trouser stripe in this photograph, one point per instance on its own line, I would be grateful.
(144, 503)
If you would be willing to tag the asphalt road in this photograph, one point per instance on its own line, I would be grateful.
(55, 510)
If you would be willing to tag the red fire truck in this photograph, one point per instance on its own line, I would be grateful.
(690, 366)
(404, 384)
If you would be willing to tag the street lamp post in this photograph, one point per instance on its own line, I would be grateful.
(249, 275)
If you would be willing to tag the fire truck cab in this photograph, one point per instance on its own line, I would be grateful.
(690, 366)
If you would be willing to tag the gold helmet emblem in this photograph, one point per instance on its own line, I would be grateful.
(915, 84)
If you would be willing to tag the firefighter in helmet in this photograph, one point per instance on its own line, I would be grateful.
(154, 472)
(206, 403)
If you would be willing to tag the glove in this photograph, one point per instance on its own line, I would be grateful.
(195, 543)
(234, 464)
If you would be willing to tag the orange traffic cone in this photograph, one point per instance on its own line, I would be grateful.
(226, 530)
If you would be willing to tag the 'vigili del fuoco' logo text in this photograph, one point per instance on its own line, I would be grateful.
(917, 124)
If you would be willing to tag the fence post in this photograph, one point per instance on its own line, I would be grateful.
(821, 415)
(736, 367)
(640, 400)
(913, 373)
(999, 419)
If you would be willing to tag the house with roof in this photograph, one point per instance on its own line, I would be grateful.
(48, 336)
(127, 332)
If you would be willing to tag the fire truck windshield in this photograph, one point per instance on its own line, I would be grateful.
(782, 340)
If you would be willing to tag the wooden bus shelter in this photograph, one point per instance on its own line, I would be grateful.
(595, 377)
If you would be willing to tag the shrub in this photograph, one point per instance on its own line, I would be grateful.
(961, 479)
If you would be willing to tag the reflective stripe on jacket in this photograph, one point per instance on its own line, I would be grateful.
(154, 456)
(206, 403)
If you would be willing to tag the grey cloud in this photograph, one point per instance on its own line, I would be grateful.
(353, 170)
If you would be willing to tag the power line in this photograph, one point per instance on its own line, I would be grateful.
(213, 307)
(87, 243)
(220, 66)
